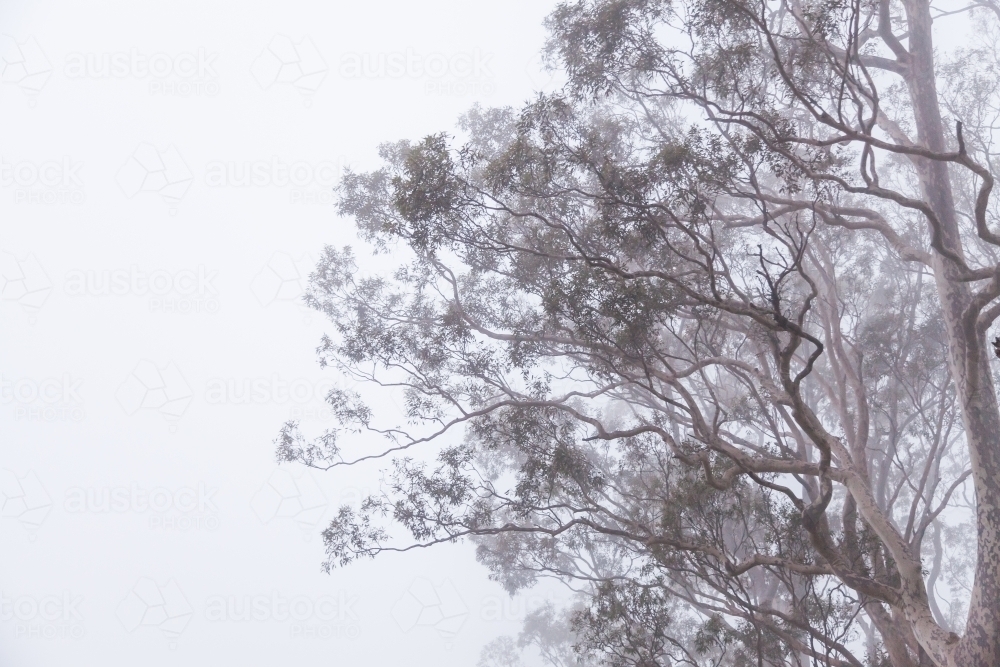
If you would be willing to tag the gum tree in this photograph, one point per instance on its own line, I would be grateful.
(704, 335)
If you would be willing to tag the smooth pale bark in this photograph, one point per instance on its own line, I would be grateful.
(970, 367)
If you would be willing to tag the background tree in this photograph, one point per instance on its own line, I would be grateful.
(704, 334)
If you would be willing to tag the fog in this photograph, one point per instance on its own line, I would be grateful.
(166, 177)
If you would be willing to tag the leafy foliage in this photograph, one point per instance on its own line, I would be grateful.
(704, 326)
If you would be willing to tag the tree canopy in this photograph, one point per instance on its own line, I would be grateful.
(704, 334)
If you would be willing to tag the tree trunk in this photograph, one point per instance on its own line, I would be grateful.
(969, 360)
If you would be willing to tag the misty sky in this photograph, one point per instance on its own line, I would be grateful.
(165, 187)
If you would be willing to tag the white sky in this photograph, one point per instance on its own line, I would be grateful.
(126, 177)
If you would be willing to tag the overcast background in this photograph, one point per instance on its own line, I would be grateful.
(149, 281)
